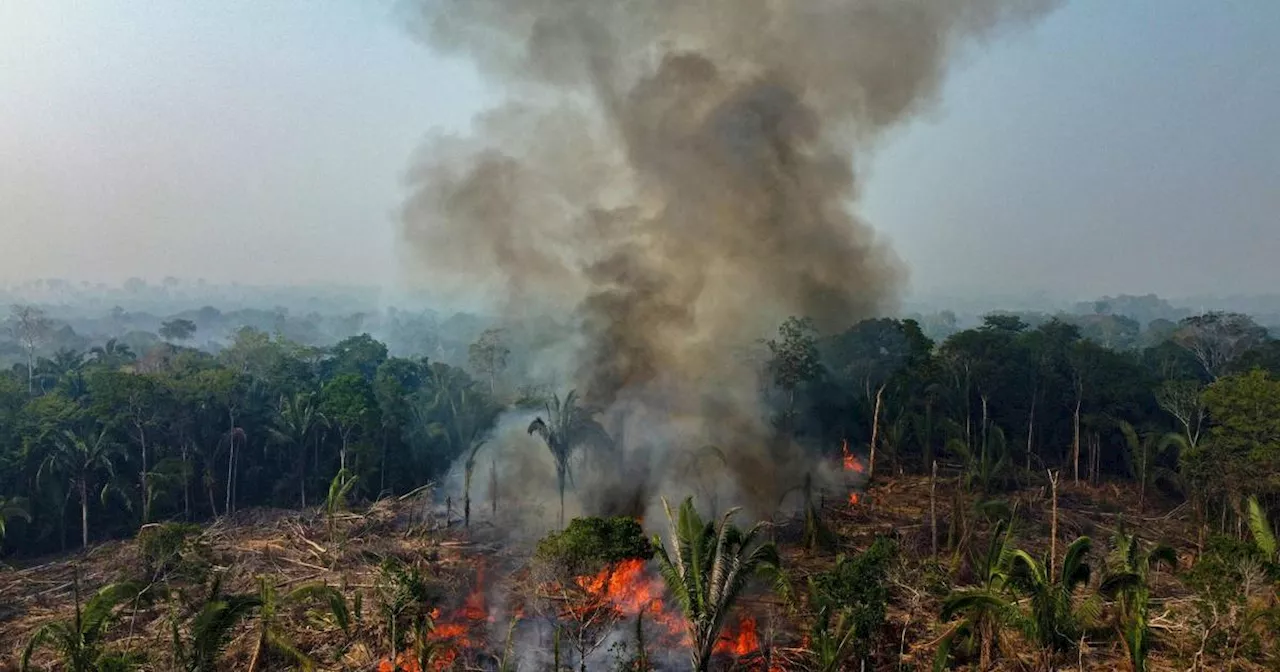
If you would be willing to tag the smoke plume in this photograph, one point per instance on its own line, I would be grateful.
(678, 176)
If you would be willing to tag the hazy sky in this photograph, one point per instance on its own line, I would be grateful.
(1119, 146)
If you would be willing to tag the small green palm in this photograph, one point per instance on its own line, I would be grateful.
(79, 643)
(706, 566)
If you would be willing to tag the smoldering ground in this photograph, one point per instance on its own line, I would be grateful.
(675, 178)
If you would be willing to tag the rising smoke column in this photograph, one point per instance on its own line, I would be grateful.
(677, 175)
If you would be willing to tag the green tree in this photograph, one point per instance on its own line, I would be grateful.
(347, 403)
(795, 359)
(130, 401)
(1143, 453)
(851, 599)
(358, 355)
(567, 427)
(80, 456)
(112, 355)
(395, 387)
(706, 565)
(1243, 445)
(297, 421)
(178, 330)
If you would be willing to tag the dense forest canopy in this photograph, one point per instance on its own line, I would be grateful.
(197, 417)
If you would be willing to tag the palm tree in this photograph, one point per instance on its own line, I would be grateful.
(984, 469)
(1143, 452)
(271, 639)
(65, 367)
(79, 457)
(112, 354)
(1128, 583)
(467, 416)
(210, 630)
(1054, 619)
(468, 468)
(10, 508)
(79, 642)
(297, 420)
(833, 643)
(706, 566)
(985, 607)
(568, 425)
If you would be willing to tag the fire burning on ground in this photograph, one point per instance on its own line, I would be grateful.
(852, 465)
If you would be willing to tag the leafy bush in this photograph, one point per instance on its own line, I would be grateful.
(1218, 574)
(172, 549)
(588, 544)
(855, 588)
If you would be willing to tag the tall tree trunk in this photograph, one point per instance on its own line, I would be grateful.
(231, 463)
(84, 512)
(560, 482)
(186, 482)
(1075, 441)
(928, 432)
(146, 487)
(466, 498)
(342, 459)
(1053, 523)
(493, 488)
(208, 487)
(302, 474)
(31, 371)
(1031, 430)
(382, 469)
(933, 511)
(875, 433)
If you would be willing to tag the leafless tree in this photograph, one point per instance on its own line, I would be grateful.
(1182, 400)
(30, 327)
(1217, 339)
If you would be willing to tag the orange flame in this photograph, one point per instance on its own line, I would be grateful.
(851, 461)
(742, 642)
(854, 498)
(451, 634)
(626, 589)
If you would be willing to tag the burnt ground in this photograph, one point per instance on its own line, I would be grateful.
(484, 588)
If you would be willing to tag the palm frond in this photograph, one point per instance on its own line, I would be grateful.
(1263, 536)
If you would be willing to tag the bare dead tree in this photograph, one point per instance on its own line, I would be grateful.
(875, 432)
(30, 327)
(1053, 524)
(1182, 400)
(1217, 339)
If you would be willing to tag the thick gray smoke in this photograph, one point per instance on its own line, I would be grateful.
(679, 177)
